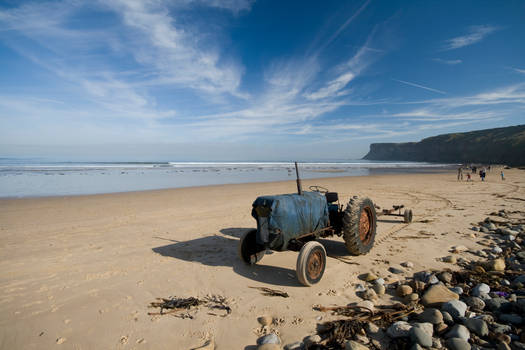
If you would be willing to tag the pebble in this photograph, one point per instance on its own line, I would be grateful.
(457, 290)
(396, 270)
(411, 298)
(458, 331)
(369, 277)
(497, 250)
(403, 290)
(353, 345)
(457, 344)
(437, 295)
(497, 265)
(271, 338)
(379, 281)
(399, 329)
(311, 340)
(419, 336)
(450, 259)
(265, 320)
(447, 318)
(475, 303)
(366, 304)
(379, 289)
(459, 249)
(369, 294)
(455, 308)
(441, 327)
(495, 303)
(359, 288)
(511, 318)
(477, 326)
(431, 315)
(407, 264)
(500, 328)
(479, 289)
(445, 277)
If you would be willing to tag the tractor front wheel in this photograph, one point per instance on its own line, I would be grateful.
(311, 263)
(407, 217)
(247, 248)
(359, 225)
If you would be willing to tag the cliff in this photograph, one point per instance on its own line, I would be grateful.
(490, 146)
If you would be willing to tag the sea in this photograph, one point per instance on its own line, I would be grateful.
(33, 177)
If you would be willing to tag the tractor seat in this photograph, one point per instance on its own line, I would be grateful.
(331, 197)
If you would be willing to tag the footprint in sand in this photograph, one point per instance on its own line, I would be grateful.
(61, 340)
(124, 339)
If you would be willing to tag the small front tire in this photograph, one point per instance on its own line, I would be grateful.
(311, 263)
(407, 216)
(247, 248)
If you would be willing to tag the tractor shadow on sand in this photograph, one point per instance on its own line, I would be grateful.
(221, 250)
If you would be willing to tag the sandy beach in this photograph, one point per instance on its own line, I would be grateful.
(79, 272)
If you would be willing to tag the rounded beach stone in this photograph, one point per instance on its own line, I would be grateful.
(419, 336)
(475, 303)
(431, 315)
(455, 308)
(294, 346)
(457, 344)
(458, 331)
(311, 340)
(450, 259)
(353, 345)
(479, 289)
(269, 347)
(497, 265)
(399, 329)
(265, 320)
(477, 326)
(438, 294)
(403, 290)
(271, 338)
(379, 289)
(369, 294)
(369, 277)
(445, 277)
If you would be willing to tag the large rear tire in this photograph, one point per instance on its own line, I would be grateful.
(247, 248)
(359, 225)
(311, 263)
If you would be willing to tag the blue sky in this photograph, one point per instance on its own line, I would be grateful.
(253, 80)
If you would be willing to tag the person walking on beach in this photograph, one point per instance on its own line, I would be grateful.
(502, 176)
(482, 174)
(460, 174)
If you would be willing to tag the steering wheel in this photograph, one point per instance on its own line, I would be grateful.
(319, 189)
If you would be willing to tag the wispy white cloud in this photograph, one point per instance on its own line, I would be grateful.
(475, 34)
(449, 62)
(420, 86)
(522, 71)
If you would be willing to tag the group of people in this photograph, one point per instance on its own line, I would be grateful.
(474, 170)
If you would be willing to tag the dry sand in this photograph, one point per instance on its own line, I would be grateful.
(80, 272)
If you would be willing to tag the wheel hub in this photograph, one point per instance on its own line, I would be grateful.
(365, 223)
(315, 265)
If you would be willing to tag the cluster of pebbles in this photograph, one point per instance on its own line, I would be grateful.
(481, 306)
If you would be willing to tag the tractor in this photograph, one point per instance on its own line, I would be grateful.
(295, 222)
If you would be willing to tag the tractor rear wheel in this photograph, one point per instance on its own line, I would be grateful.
(359, 225)
(407, 216)
(311, 263)
(247, 248)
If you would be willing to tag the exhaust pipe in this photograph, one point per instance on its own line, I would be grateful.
(299, 187)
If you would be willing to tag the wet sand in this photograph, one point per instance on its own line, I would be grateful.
(79, 272)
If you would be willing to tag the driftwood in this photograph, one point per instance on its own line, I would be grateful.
(271, 292)
(176, 305)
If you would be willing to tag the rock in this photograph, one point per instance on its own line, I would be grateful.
(369, 294)
(407, 264)
(450, 259)
(353, 345)
(447, 318)
(294, 346)
(371, 327)
(479, 289)
(396, 270)
(311, 340)
(369, 277)
(500, 328)
(432, 279)
(399, 329)
(457, 290)
(427, 327)
(438, 294)
(265, 320)
(419, 336)
(441, 327)
(474, 228)
(379, 289)
(436, 343)
(475, 303)
(271, 338)
(459, 249)
(458, 331)
(457, 344)
(511, 318)
(379, 281)
(455, 308)
(497, 265)
(416, 346)
(477, 326)
(495, 303)
(503, 346)
(491, 226)
(445, 277)
(479, 269)
(269, 347)
(431, 315)
(411, 298)
(418, 286)
(362, 339)
(496, 250)
(403, 290)
(359, 288)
